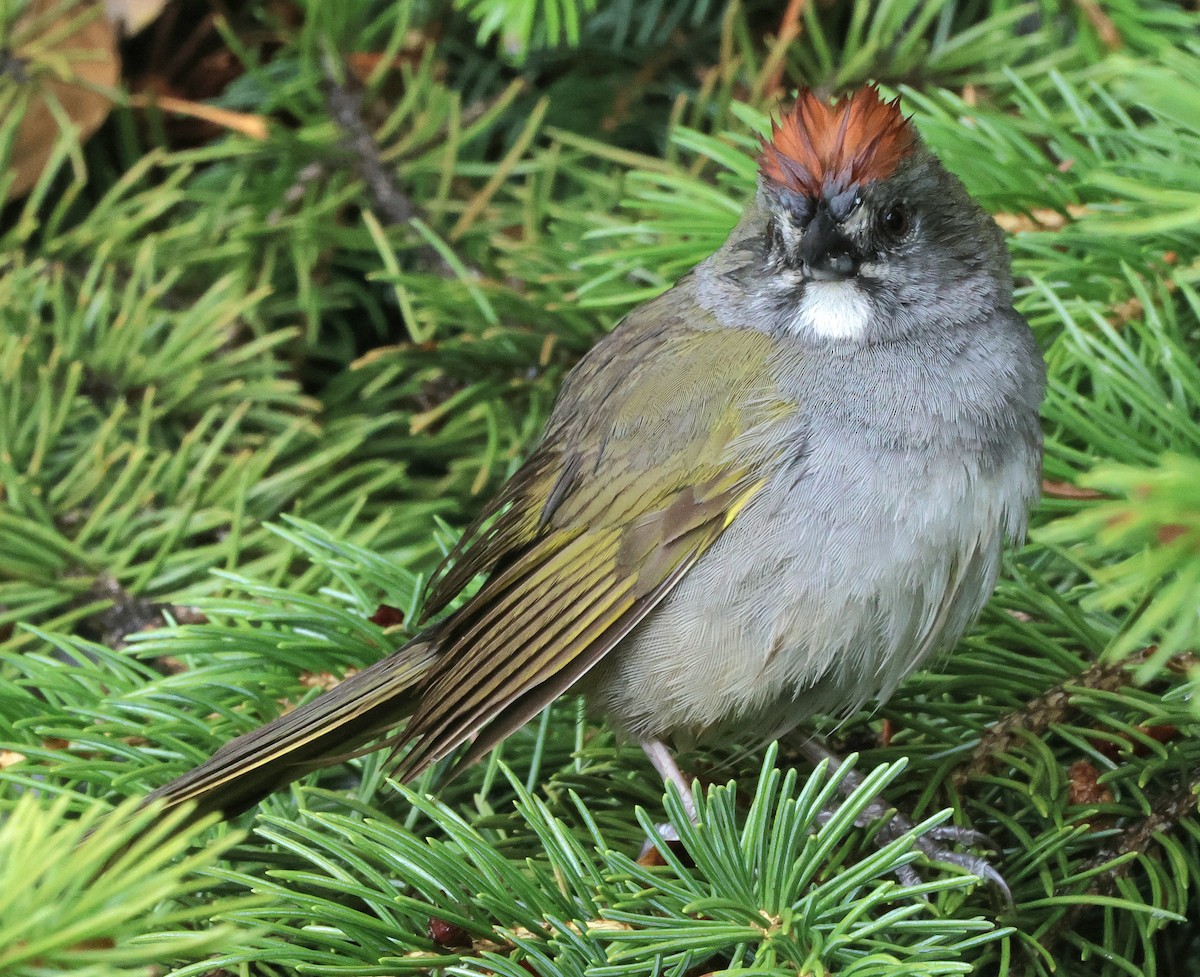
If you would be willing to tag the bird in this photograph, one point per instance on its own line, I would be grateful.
(769, 493)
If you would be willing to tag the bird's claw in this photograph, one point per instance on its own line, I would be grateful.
(957, 835)
(934, 845)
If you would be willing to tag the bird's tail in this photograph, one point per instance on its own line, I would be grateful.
(321, 732)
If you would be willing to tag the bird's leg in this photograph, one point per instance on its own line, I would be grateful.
(931, 844)
(660, 757)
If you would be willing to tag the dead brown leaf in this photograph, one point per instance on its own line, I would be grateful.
(1125, 312)
(67, 50)
(1172, 531)
(10, 758)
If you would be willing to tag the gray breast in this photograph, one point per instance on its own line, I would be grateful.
(875, 544)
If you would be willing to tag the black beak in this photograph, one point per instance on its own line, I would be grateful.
(825, 252)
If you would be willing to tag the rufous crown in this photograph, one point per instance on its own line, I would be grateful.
(823, 148)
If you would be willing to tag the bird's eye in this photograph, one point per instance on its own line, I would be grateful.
(894, 220)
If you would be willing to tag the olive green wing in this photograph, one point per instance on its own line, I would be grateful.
(318, 733)
(656, 444)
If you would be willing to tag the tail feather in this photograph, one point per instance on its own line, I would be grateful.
(319, 733)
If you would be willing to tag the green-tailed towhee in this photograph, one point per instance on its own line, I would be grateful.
(772, 491)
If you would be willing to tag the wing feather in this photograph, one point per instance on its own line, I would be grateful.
(575, 563)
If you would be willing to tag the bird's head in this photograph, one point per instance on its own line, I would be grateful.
(858, 232)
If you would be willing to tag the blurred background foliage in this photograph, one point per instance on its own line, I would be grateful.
(286, 290)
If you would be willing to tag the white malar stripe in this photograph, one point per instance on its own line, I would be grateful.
(833, 310)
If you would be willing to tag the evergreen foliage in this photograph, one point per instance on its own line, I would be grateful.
(250, 390)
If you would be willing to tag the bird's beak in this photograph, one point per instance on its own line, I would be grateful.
(825, 252)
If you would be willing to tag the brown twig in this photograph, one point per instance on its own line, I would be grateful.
(1102, 24)
(1166, 812)
(636, 87)
(393, 204)
(248, 124)
(1042, 712)
(1068, 490)
(789, 30)
(345, 106)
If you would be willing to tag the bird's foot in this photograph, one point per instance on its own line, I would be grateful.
(660, 757)
(936, 844)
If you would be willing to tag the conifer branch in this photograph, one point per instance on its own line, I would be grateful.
(1040, 713)
(204, 411)
(345, 98)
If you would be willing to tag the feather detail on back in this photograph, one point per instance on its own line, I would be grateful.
(821, 149)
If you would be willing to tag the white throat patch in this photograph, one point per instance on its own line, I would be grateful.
(833, 310)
